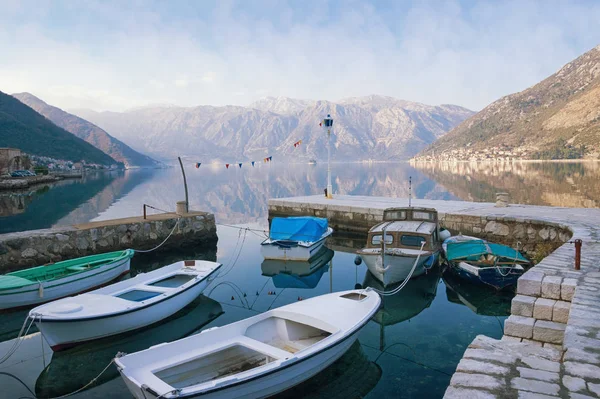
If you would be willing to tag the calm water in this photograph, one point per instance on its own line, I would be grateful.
(409, 349)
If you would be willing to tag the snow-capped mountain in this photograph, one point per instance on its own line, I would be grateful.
(373, 127)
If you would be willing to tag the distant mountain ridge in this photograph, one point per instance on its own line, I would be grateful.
(23, 128)
(373, 127)
(556, 118)
(89, 132)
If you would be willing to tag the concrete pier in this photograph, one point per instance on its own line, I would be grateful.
(551, 346)
(36, 247)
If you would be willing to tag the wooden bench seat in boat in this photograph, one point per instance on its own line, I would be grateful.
(8, 282)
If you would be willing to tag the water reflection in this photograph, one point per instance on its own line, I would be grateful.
(298, 274)
(484, 301)
(66, 202)
(237, 195)
(72, 369)
(568, 184)
(416, 296)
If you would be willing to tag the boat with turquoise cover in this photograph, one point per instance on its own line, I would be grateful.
(484, 263)
(57, 280)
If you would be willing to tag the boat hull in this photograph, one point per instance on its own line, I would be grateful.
(270, 384)
(488, 276)
(56, 289)
(297, 252)
(399, 266)
(62, 335)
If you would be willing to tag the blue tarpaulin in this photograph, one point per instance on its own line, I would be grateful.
(302, 228)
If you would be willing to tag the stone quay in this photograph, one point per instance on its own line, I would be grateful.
(551, 342)
(37, 247)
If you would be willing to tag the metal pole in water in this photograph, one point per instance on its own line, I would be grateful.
(187, 203)
(328, 125)
(409, 191)
(331, 276)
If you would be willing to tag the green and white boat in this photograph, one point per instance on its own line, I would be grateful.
(61, 279)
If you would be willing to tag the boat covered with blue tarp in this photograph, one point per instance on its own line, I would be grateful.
(482, 262)
(301, 228)
(295, 238)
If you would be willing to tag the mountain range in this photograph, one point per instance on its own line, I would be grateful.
(557, 118)
(89, 132)
(21, 127)
(373, 127)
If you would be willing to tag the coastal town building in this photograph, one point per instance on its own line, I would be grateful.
(10, 160)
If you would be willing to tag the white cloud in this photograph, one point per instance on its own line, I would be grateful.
(111, 56)
(181, 82)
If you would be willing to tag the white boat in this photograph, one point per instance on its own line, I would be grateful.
(256, 357)
(412, 235)
(127, 305)
(295, 238)
(58, 280)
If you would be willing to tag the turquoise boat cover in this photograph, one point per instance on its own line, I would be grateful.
(302, 228)
(472, 250)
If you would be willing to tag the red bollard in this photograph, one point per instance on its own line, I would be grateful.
(578, 244)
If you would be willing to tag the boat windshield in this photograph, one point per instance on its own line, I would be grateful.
(426, 216)
(394, 215)
(412, 241)
(376, 239)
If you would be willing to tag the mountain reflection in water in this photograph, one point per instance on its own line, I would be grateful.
(564, 184)
(237, 195)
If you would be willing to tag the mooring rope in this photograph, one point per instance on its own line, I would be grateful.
(236, 257)
(93, 380)
(406, 280)
(162, 243)
(20, 338)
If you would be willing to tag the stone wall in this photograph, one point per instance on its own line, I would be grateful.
(37, 247)
(537, 238)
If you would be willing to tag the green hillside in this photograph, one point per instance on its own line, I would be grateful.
(21, 127)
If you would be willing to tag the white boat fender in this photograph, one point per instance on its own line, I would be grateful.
(41, 290)
(379, 267)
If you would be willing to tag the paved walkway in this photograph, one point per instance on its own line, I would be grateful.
(552, 344)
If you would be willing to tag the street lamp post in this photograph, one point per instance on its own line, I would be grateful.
(328, 125)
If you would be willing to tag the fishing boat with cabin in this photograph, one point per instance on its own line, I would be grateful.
(295, 238)
(412, 242)
(124, 306)
(484, 263)
(58, 280)
(256, 357)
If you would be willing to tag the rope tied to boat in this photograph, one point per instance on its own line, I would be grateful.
(512, 267)
(92, 381)
(406, 280)
(22, 334)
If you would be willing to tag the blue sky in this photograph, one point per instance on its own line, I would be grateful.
(114, 55)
